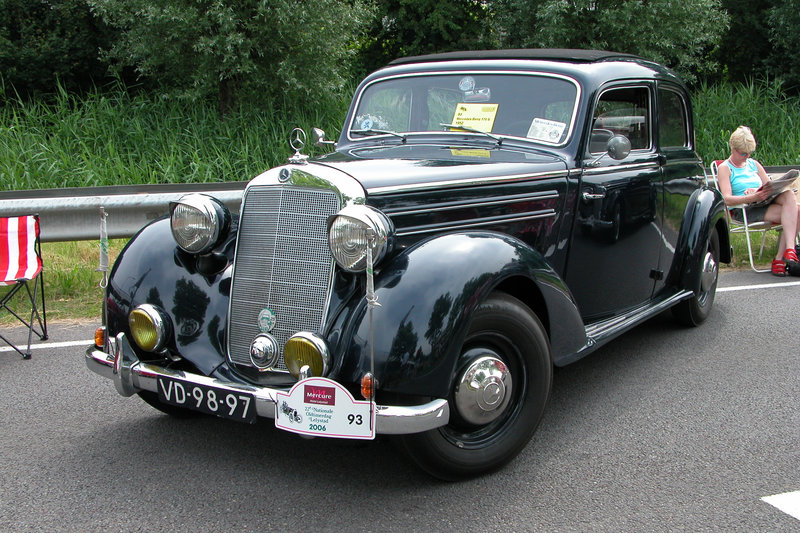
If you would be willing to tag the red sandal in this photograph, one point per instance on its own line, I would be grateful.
(779, 267)
(790, 256)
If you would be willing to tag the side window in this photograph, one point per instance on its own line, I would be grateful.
(672, 121)
(624, 112)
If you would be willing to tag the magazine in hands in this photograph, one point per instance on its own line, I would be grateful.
(777, 186)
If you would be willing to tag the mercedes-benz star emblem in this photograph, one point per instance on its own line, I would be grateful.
(297, 139)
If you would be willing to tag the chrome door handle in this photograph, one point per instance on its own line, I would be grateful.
(588, 196)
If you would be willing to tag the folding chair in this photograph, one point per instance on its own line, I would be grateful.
(21, 267)
(744, 226)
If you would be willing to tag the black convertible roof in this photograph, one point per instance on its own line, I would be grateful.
(553, 54)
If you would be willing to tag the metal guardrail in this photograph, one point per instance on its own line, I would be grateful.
(73, 214)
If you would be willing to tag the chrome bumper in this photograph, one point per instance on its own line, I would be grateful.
(131, 376)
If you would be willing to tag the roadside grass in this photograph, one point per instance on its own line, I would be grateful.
(117, 138)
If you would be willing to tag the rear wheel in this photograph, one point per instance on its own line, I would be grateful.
(695, 310)
(498, 396)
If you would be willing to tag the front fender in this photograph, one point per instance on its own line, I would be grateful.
(193, 291)
(427, 296)
(704, 212)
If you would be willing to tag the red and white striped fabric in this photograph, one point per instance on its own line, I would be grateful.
(18, 257)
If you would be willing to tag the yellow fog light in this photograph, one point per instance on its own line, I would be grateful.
(306, 349)
(148, 328)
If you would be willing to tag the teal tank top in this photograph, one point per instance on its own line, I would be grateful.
(744, 178)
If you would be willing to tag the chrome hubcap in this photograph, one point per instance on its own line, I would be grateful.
(483, 390)
(709, 274)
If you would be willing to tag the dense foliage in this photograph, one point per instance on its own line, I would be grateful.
(678, 34)
(45, 41)
(198, 48)
(227, 48)
(414, 27)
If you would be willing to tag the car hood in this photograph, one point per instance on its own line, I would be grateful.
(386, 167)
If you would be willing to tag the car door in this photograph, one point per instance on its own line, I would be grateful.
(682, 168)
(614, 257)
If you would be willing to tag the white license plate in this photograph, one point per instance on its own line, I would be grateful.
(233, 405)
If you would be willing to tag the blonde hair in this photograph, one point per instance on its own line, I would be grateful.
(742, 140)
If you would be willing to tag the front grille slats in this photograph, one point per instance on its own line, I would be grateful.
(282, 263)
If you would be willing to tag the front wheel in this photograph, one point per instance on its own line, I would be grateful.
(498, 396)
(695, 310)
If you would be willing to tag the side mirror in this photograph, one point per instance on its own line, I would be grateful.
(618, 147)
(318, 136)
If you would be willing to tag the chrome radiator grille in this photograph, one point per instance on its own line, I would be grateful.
(282, 263)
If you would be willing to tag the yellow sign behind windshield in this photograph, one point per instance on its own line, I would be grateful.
(476, 116)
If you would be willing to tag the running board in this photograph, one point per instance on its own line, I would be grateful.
(601, 332)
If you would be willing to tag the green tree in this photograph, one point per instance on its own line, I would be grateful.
(784, 59)
(413, 27)
(46, 42)
(198, 48)
(745, 49)
(679, 34)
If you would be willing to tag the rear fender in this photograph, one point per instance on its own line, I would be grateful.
(704, 212)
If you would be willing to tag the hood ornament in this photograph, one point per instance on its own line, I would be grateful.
(297, 140)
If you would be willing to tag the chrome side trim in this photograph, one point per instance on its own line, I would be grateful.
(391, 189)
(131, 376)
(451, 206)
(416, 230)
(617, 168)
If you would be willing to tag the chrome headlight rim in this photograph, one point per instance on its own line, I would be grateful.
(367, 222)
(215, 214)
(159, 322)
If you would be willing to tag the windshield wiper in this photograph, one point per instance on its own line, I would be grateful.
(373, 131)
(498, 140)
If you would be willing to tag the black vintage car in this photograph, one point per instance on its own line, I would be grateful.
(423, 278)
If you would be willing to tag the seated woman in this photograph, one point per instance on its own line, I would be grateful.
(739, 178)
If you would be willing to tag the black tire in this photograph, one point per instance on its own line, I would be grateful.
(151, 399)
(695, 310)
(504, 329)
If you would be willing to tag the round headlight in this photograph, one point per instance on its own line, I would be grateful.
(148, 328)
(352, 230)
(306, 349)
(198, 221)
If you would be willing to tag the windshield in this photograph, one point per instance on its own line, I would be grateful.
(537, 107)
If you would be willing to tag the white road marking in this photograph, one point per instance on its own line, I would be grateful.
(760, 286)
(43, 345)
(788, 502)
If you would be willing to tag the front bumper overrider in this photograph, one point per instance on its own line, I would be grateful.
(131, 376)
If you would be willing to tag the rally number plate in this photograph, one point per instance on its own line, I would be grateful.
(324, 408)
(233, 405)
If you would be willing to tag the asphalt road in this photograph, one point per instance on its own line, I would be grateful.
(664, 429)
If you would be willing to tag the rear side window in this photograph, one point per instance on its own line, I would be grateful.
(673, 125)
